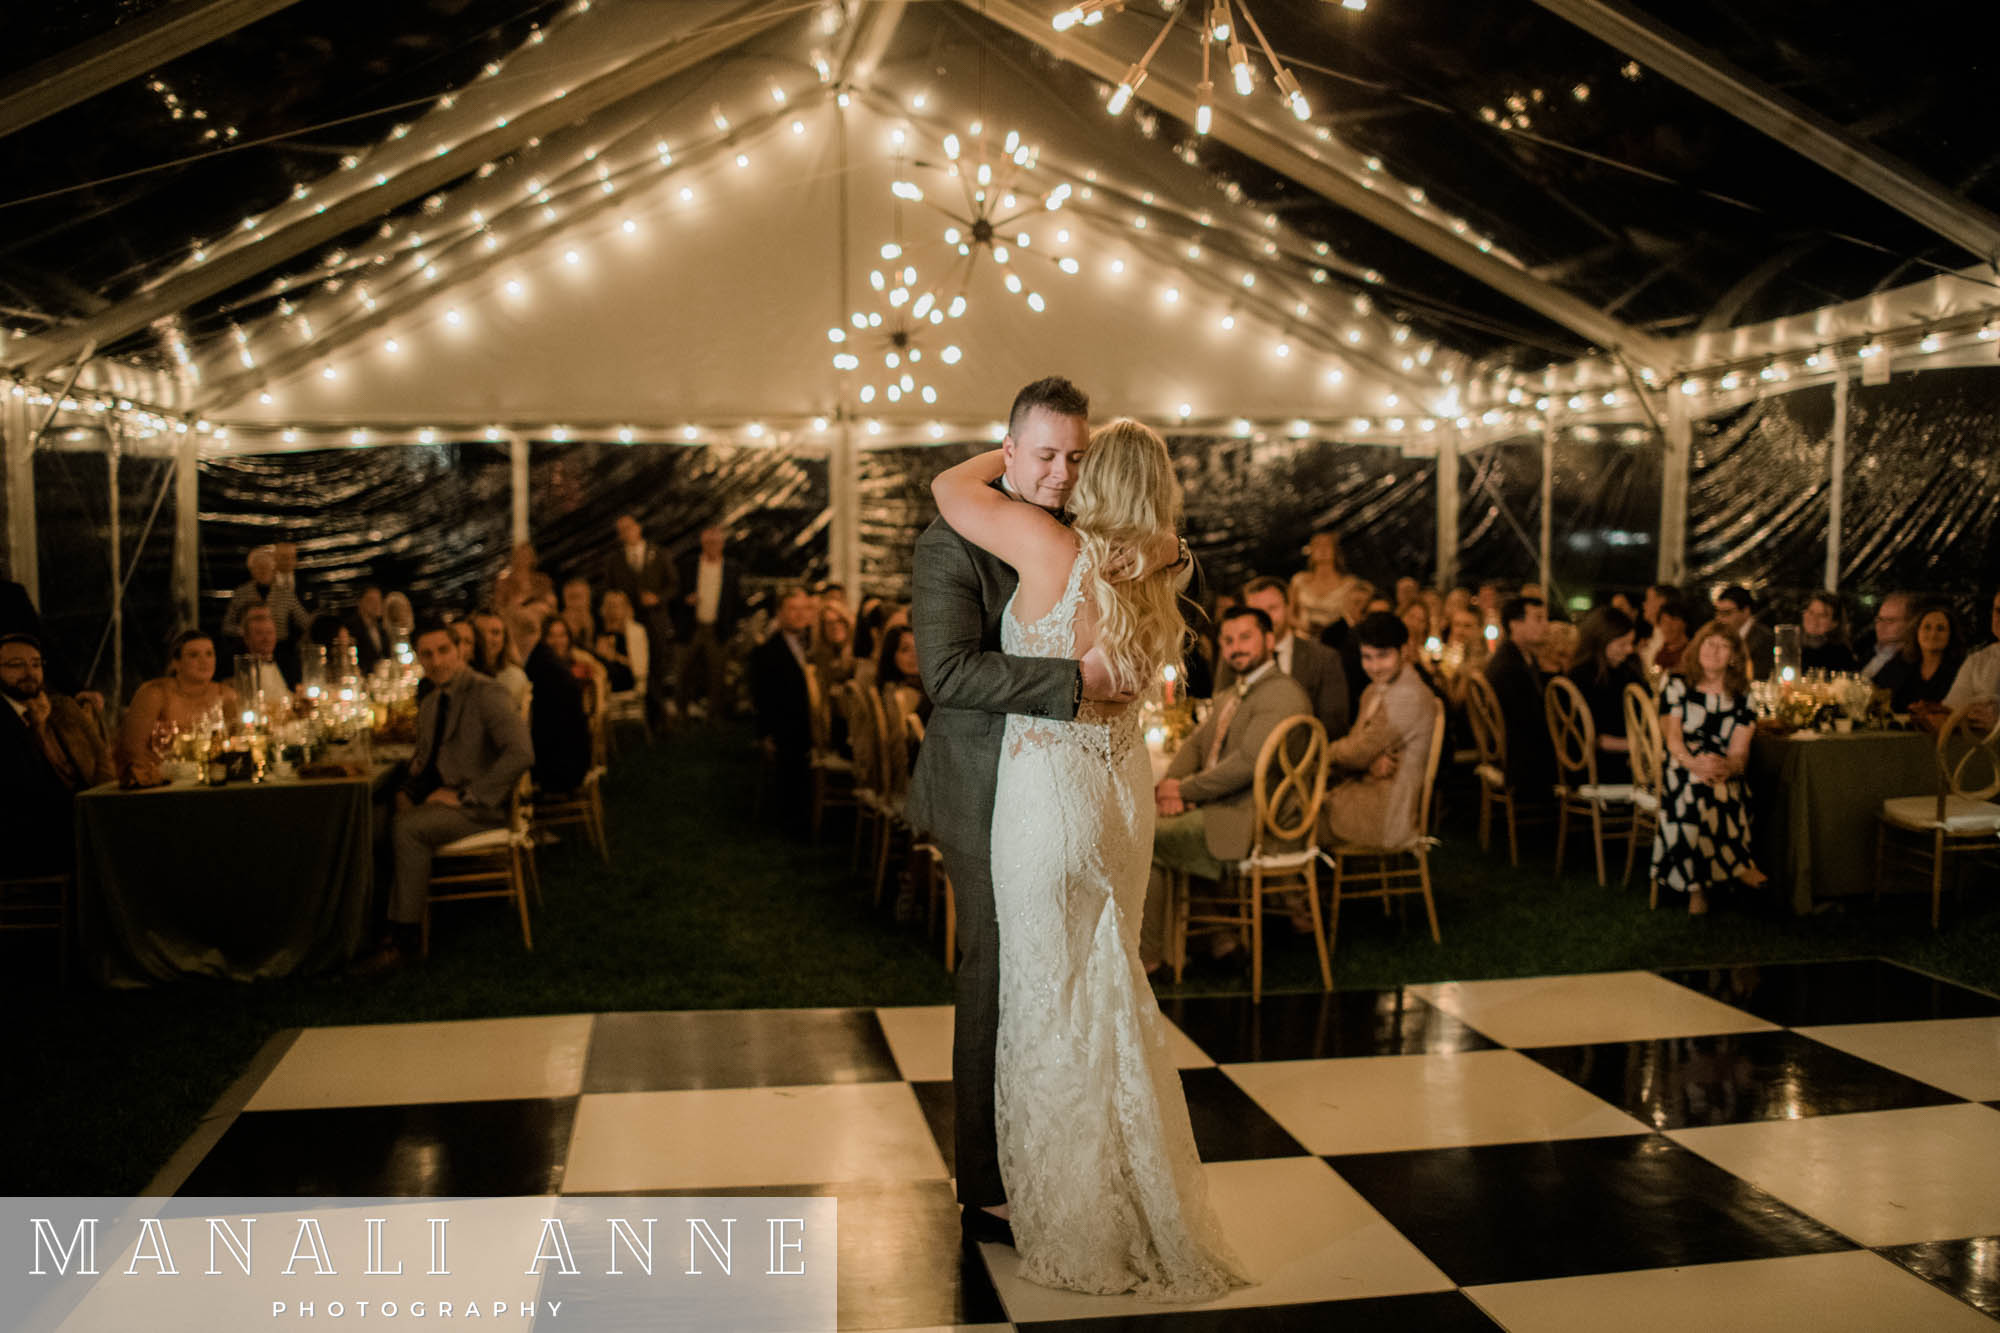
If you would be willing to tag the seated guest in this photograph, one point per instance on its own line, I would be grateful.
(1408, 592)
(1553, 654)
(522, 581)
(1601, 666)
(1931, 661)
(1656, 597)
(493, 654)
(267, 678)
(576, 610)
(559, 718)
(1206, 803)
(1433, 603)
(1623, 601)
(188, 696)
(1881, 650)
(868, 628)
(1458, 598)
(897, 679)
(1492, 595)
(1316, 668)
(1705, 714)
(1466, 650)
(1416, 620)
(329, 631)
(264, 588)
(471, 749)
(621, 645)
(1736, 608)
(371, 635)
(782, 694)
(50, 749)
(587, 675)
(1978, 685)
(1669, 640)
(1517, 682)
(833, 646)
(1381, 762)
(465, 636)
(1339, 636)
(1823, 635)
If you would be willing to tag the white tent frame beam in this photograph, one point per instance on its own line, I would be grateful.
(1237, 129)
(249, 261)
(1711, 78)
(127, 51)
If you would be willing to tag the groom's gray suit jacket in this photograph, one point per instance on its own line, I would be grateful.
(960, 592)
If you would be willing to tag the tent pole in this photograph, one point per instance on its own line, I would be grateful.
(187, 530)
(1446, 485)
(844, 493)
(117, 540)
(1674, 465)
(517, 460)
(22, 563)
(1836, 482)
(1548, 508)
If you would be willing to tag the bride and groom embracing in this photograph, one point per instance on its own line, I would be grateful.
(1046, 598)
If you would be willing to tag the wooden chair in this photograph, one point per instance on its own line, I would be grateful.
(1288, 789)
(1608, 806)
(1489, 736)
(1649, 758)
(833, 778)
(493, 863)
(869, 766)
(892, 743)
(39, 902)
(1959, 819)
(938, 890)
(582, 808)
(1397, 871)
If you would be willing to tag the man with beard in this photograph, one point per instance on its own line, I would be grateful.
(50, 749)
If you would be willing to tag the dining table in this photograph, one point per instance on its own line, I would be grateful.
(1815, 801)
(248, 881)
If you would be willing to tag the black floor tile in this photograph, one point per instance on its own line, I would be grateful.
(736, 1048)
(1968, 1269)
(902, 1262)
(1858, 990)
(937, 1103)
(443, 1148)
(1426, 1312)
(1729, 1079)
(1228, 1125)
(1523, 1211)
(1230, 1029)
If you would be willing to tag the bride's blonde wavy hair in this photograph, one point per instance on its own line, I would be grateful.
(1126, 493)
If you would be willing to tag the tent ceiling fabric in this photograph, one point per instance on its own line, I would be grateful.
(1603, 181)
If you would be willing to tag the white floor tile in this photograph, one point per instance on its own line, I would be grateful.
(1303, 1232)
(920, 1038)
(750, 1136)
(387, 1064)
(1390, 1102)
(1850, 1292)
(1878, 1177)
(1592, 1007)
(1960, 1055)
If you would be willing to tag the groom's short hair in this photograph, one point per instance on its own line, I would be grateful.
(1053, 394)
(1256, 613)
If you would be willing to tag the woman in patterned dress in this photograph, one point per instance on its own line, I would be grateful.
(1705, 715)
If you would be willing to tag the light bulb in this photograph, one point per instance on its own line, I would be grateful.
(907, 190)
(951, 146)
(1068, 19)
(1239, 66)
(1035, 302)
(950, 355)
(1288, 88)
(1128, 85)
(957, 306)
(1204, 114)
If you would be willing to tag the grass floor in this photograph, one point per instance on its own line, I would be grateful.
(704, 909)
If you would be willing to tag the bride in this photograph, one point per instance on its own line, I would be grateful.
(1104, 1187)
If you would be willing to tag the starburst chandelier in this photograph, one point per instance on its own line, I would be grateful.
(1218, 29)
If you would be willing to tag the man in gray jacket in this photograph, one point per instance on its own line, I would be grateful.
(960, 592)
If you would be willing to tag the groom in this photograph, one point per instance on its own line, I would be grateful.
(960, 593)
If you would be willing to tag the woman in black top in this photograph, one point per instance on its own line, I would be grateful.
(1932, 660)
(1601, 667)
(557, 724)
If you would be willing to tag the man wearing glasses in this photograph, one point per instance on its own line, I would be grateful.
(1893, 622)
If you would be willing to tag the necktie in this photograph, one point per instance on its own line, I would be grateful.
(1225, 713)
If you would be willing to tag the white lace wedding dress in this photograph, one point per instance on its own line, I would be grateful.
(1104, 1187)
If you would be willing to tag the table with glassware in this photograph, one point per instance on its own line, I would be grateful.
(256, 857)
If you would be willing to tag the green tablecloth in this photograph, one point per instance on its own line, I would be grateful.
(1815, 802)
(241, 882)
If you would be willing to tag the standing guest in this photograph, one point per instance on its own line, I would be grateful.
(472, 746)
(1517, 681)
(1377, 799)
(833, 646)
(1705, 714)
(1601, 666)
(522, 581)
(622, 645)
(263, 589)
(1932, 660)
(1319, 591)
(1736, 608)
(371, 635)
(268, 678)
(576, 610)
(782, 692)
(493, 654)
(559, 720)
(1823, 635)
(1978, 685)
(1669, 640)
(645, 575)
(50, 749)
(705, 619)
(1317, 668)
(186, 697)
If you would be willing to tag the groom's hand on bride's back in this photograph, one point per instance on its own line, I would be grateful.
(1098, 682)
